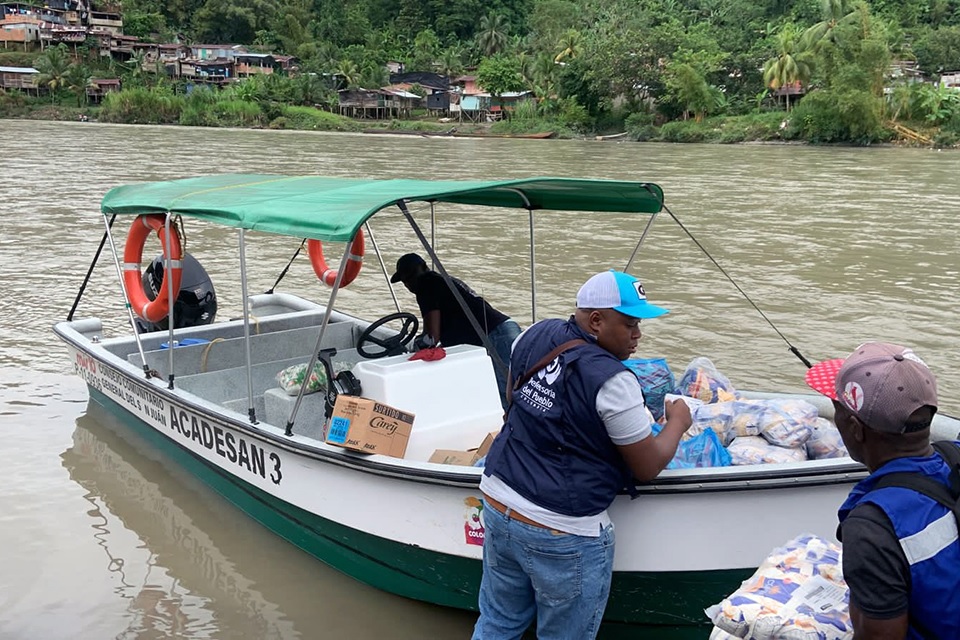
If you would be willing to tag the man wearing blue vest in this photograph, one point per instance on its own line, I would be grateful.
(577, 433)
(901, 555)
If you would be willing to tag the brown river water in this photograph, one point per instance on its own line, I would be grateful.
(101, 540)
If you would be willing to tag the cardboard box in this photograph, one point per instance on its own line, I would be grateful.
(452, 456)
(485, 445)
(369, 426)
(465, 458)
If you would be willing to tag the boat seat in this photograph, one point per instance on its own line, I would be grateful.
(455, 401)
(230, 352)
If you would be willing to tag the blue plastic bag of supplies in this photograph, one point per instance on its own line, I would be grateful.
(656, 380)
(702, 450)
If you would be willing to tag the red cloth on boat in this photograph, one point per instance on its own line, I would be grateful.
(429, 354)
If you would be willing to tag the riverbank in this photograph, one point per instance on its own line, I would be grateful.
(771, 127)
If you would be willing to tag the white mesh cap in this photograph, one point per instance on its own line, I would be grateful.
(618, 291)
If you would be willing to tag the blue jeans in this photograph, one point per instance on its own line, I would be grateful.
(502, 338)
(561, 579)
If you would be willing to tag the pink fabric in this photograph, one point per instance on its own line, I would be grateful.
(822, 377)
(429, 354)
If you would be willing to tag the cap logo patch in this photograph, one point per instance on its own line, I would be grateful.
(639, 287)
(853, 396)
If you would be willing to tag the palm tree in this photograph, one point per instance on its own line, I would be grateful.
(451, 62)
(835, 13)
(53, 66)
(492, 36)
(569, 45)
(136, 67)
(350, 73)
(790, 64)
(77, 79)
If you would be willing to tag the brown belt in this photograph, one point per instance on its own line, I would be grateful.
(511, 513)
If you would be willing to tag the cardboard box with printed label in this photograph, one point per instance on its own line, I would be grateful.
(464, 458)
(369, 426)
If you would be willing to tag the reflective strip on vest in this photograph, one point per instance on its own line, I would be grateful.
(930, 540)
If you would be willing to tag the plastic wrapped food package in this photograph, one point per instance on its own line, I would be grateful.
(702, 450)
(702, 380)
(825, 442)
(747, 450)
(788, 422)
(291, 378)
(656, 380)
(797, 593)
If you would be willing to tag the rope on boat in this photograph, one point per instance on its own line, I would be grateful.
(86, 279)
(793, 349)
(287, 268)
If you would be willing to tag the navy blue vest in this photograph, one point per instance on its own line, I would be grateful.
(554, 449)
(928, 536)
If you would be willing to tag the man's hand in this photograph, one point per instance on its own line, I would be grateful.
(678, 411)
(424, 341)
(648, 457)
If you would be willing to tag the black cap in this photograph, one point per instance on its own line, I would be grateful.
(407, 265)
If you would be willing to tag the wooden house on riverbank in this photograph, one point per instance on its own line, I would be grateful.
(20, 78)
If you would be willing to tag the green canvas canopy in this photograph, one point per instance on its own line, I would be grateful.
(333, 209)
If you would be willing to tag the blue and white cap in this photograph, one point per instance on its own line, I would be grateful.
(618, 291)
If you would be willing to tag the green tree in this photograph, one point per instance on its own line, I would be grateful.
(492, 37)
(53, 66)
(350, 72)
(426, 49)
(499, 75)
(938, 49)
(232, 21)
(687, 87)
(569, 44)
(790, 64)
(834, 14)
(77, 79)
(451, 62)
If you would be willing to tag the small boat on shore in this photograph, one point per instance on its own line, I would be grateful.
(542, 135)
(208, 396)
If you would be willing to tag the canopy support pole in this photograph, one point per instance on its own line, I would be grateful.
(126, 298)
(288, 431)
(383, 266)
(251, 409)
(533, 257)
(433, 229)
(474, 323)
(171, 295)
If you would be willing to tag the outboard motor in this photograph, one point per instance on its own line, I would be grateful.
(196, 303)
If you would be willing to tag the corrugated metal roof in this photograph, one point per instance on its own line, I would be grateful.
(18, 70)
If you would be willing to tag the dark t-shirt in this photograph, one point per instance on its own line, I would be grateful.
(874, 565)
(433, 294)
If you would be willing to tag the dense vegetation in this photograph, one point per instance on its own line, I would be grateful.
(660, 69)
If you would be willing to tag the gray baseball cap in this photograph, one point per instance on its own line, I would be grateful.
(881, 383)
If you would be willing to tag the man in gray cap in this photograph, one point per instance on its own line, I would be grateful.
(901, 554)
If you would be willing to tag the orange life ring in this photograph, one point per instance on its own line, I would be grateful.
(327, 275)
(157, 309)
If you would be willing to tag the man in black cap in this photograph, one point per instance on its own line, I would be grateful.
(444, 321)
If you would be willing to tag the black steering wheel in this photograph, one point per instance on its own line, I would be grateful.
(395, 344)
